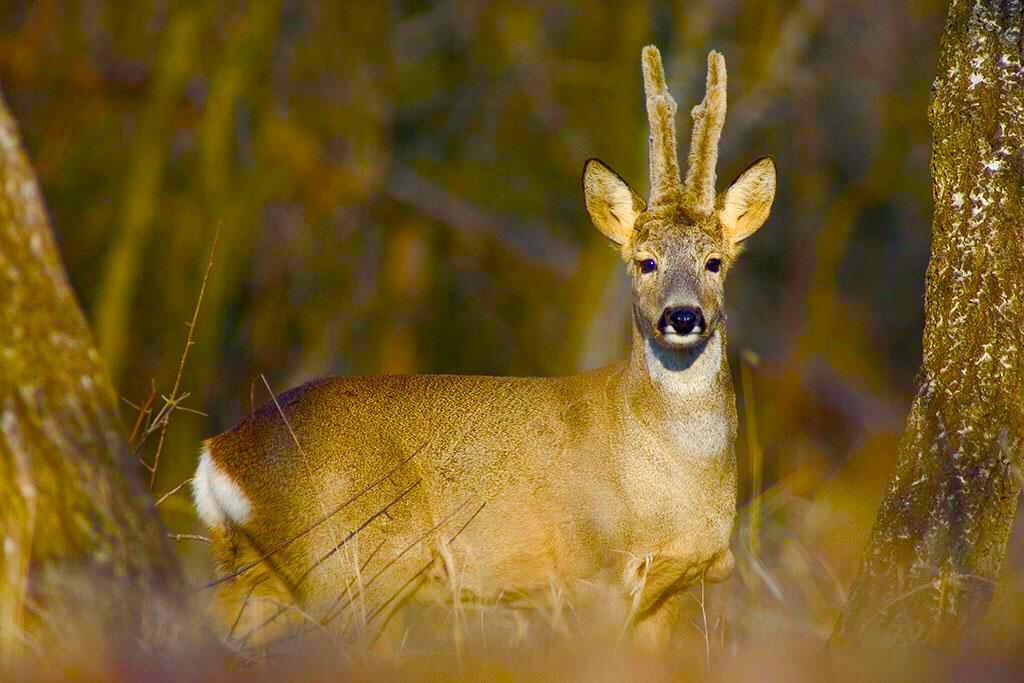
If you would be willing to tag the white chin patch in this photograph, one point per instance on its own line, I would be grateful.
(674, 339)
(218, 499)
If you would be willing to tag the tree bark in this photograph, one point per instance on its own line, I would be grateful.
(84, 559)
(940, 538)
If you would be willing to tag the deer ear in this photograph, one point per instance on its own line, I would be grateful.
(744, 207)
(611, 204)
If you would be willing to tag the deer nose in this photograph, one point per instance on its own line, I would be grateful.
(684, 319)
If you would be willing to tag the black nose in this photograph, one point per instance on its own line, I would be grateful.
(684, 319)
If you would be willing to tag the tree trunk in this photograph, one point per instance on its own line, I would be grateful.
(936, 549)
(84, 560)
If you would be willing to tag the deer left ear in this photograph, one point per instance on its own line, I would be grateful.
(745, 206)
(611, 204)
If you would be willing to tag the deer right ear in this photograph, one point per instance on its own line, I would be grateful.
(612, 205)
(744, 207)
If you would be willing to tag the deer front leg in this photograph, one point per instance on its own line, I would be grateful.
(655, 586)
(653, 632)
(721, 566)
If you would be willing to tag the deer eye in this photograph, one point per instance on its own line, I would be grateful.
(714, 264)
(648, 265)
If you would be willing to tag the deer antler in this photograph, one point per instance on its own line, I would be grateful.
(661, 113)
(708, 119)
(697, 194)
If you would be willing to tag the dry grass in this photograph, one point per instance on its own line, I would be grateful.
(784, 588)
(796, 543)
(796, 547)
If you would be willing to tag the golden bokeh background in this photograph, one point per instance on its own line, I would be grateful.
(396, 186)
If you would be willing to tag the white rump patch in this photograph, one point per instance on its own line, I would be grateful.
(218, 499)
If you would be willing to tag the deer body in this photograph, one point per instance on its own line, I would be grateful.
(359, 494)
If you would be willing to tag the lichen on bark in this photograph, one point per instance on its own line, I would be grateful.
(935, 552)
(83, 555)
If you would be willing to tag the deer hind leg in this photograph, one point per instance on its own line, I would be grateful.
(393, 604)
(252, 608)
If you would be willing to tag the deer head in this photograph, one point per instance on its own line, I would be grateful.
(680, 245)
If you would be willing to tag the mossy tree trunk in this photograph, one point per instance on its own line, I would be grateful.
(84, 560)
(935, 552)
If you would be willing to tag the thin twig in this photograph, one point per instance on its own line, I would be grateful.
(143, 410)
(172, 491)
(305, 461)
(749, 360)
(189, 537)
(424, 568)
(352, 534)
(245, 603)
(314, 525)
(193, 411)
(707, 642)
(184, 356)
(331, 614)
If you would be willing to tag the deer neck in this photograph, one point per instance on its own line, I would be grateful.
(672, 385)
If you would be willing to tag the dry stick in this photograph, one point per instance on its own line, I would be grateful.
(352, 534)
(189, 537)
(245, 603)
(331, 615)
(172, 491)
(143, 410)
(314, 525)
(164, 414)
(348, 584)
(328, 616)
(155, 423)
(305, 461)
(186, 409)
(748, 360)
(707, 643)
(362, 568)
(409, 547)
(372, 555)
(425, 567)
(184, 356)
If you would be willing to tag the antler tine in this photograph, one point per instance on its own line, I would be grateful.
(708, 119)
(661, 116)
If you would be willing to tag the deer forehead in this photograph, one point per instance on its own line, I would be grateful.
(677, 233)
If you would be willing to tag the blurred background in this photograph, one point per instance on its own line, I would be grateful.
(397, 189)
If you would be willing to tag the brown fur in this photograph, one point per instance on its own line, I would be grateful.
(382, 490)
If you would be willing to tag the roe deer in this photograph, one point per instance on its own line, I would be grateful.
(364, 493)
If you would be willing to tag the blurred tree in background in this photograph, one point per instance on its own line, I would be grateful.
(85, 565)
(397, 188)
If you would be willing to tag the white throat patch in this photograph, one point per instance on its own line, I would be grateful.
(695, 377)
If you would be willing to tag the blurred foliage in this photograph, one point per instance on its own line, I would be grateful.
(397, 185)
